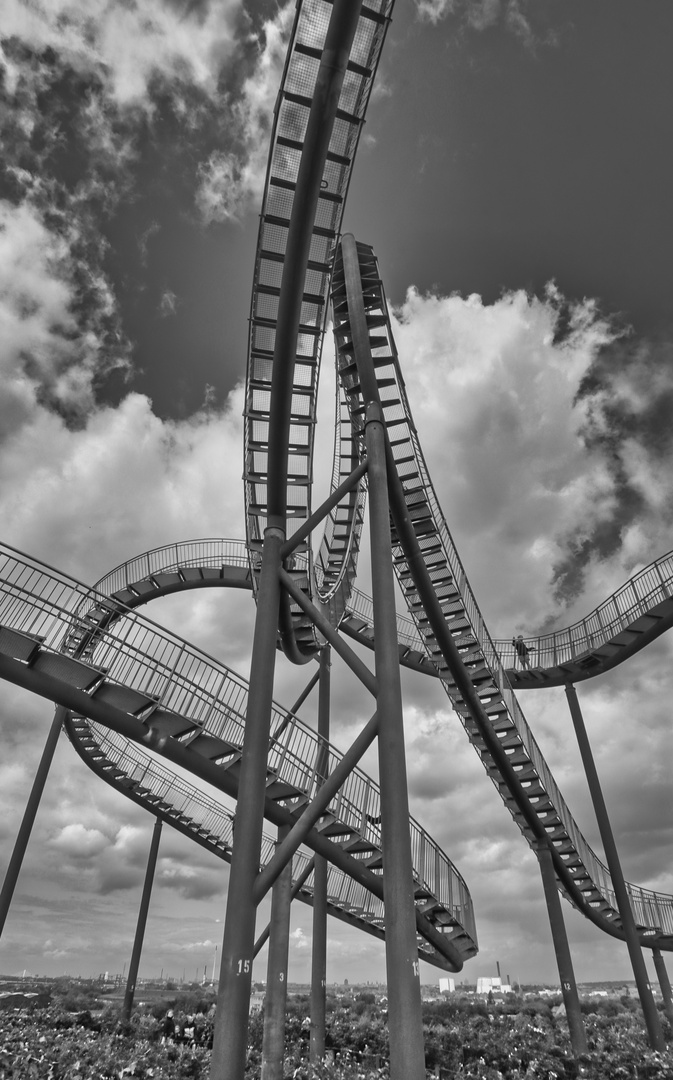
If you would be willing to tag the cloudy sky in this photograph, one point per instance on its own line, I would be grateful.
(514, 178)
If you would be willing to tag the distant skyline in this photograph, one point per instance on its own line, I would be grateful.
(514, 178)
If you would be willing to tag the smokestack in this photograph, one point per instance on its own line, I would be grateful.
(497, 964)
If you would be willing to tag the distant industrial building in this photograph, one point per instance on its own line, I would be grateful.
(493, 986)
(447, 986)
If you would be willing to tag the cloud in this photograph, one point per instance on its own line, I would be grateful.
(130, 44)
(192, 882)
(494, 397)
(299, 941)
(626, 398)
(126, 478)
(78, 842)
(229, 180)
(45, 355)
(168, 303)
(516, 16)
(191, 946)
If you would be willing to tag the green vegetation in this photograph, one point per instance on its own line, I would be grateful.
(79, 1037)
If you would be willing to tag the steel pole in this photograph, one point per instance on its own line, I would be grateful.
(28, 820)
(296, 889)
(407, 1054)
(230, 1037)
(319, 937)
(652, 1022)
(578, 1038)
(664, 983)
(273, 1039)
(142, 921)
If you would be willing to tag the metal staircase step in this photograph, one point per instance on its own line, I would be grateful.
(18, 644)
(66, 669)
(209, 746)
(170, 724)
(123, 697)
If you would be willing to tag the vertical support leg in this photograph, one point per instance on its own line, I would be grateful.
(650, 1013)
(664, 983)
(319, 936)
(578, 1039)
(25, 829)
(142, 922)
(230, 1037)
(273, 1040)
(407, 1056)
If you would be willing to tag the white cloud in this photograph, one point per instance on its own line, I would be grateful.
(493, 399)
(299, 940)
(41, 347)
(231, 179)
(78, 842)
(127, 481)
(129, 43)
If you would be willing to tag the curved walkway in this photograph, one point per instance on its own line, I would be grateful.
(83, 650)
(637, 613)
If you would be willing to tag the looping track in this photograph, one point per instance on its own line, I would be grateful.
(127, 682)
(282, 381)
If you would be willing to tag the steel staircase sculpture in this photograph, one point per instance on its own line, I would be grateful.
(128, 683)
(492, 718)
(137, 683)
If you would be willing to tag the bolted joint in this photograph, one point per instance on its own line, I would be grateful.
(373, 412)
(275, 531)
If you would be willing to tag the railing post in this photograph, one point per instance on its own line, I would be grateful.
(273, 1040)
(230, 1037)
(612, 857)
(578, 1039)
(142, 921)
(28, 820)
(319, 938)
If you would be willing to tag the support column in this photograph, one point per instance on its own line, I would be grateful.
(664, 983)
(405, 1021)
(650, 1013)
(319, 936)
(273, 1040)
(230, 1037)
(142, 922)
(578, 1039)
(29, 814)
(407, 1054)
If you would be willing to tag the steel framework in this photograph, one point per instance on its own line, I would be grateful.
(136, 695)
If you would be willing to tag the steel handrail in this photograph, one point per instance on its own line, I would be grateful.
(136, 653)
(636, 597)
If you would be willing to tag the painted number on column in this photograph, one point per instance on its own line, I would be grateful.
(416, 968)
(567, 986)
(281, 976)
(243, 967)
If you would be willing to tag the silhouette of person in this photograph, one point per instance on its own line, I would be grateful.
(521, 650)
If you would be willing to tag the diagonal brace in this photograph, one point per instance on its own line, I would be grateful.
(296, 889)
(323, 510)
(290, 714)
(323, 624)
(314, 810)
